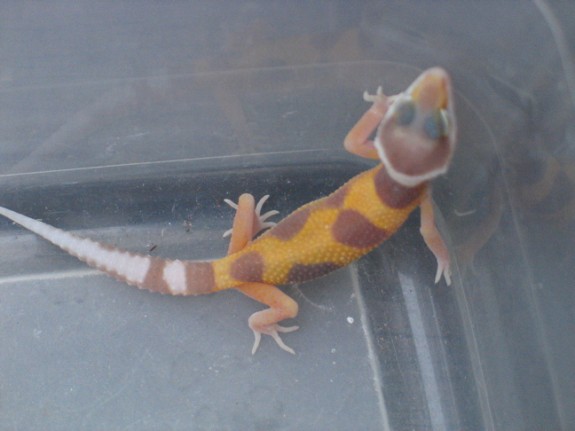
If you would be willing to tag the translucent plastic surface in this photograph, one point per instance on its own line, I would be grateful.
(130, 122)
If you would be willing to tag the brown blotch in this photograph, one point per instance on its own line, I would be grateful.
(248, 268)
(154, 281)
(336, 199)
(300, 273)
(291, 225)
(354, 230)
(392, 193)
(200, 278)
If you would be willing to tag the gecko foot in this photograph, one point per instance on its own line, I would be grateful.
(377, 97)
(260, 219)
(273, 331)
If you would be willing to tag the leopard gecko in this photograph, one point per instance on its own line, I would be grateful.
(414, 143)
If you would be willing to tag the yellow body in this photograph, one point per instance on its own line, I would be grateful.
(316, 241)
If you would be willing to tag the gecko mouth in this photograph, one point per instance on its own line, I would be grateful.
(416, 138)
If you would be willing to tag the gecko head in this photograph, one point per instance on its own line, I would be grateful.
(416, 138)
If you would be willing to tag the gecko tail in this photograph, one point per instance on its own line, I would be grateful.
(172, 277)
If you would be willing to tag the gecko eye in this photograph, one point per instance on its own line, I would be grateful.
(405, 113)
(435, 126)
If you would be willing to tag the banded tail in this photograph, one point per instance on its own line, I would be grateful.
(173, 277)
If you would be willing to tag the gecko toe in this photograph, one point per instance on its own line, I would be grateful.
(443, 270)
(274, 332)
(231, 203)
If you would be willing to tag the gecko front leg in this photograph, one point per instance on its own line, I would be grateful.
(433, 239)
(248, 222)
(265, 322)
(357, 140)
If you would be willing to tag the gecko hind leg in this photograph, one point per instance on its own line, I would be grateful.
(248, 222)
(266, 321)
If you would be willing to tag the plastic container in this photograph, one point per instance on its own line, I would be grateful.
(130, 122)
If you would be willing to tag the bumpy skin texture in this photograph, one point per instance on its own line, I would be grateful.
(414, 143)
(325, 234)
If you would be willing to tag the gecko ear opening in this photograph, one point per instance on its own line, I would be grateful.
(416, 139)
